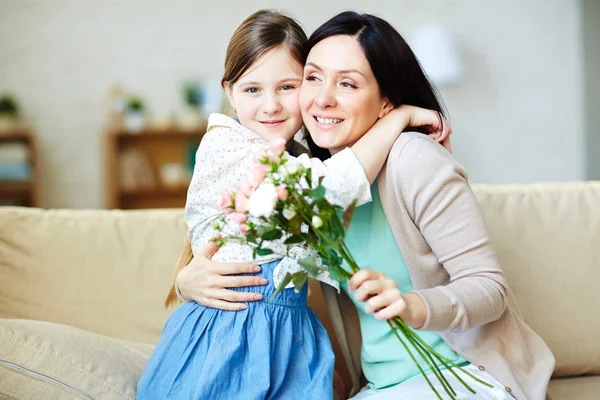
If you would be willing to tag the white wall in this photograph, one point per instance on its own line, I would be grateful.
(518, 117)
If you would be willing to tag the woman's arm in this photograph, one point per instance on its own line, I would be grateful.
(433, 188)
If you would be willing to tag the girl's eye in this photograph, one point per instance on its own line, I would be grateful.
(287, 87)
(251, 90)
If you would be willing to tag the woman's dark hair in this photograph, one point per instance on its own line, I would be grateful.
(398, 73)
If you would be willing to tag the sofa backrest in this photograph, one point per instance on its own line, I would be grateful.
(548, 240)
(103, 271)
(109, 271)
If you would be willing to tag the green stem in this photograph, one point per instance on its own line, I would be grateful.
(414, 360)
(410, 336)
(444, 359)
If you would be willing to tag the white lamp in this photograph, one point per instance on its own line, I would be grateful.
(438, 55)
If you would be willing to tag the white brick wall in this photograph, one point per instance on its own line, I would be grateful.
(518, 117)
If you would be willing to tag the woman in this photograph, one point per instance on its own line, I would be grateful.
(428, 257)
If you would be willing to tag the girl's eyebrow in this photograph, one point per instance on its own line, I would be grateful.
(344, 71)
(260, 83)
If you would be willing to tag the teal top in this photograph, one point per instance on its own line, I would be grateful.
(385, 362)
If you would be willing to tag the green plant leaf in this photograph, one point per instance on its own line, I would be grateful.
(273, 234)
(337, 274)
(309, 176)
(264, 252)
(286, 279)
(348, 214)
(294, 239)
(295, 225)
(310, 264)
(299, 279)
(318, 193)
(336, 226)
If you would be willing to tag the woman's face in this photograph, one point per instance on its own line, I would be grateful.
(339, 98)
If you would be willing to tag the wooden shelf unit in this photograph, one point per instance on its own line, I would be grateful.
(159, 147)
(17, 192)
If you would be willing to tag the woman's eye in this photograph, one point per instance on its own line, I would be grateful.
(310, 78)
(348, 85)
(251, 90)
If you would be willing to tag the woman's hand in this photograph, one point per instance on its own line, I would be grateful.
(206, 282)
(383, 298)
(427, 121)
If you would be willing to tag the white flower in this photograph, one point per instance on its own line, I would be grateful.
(262, 201)
(317, 222)
(289, 213)
(293, 167)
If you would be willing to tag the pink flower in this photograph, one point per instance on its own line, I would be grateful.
(257, 174)
(241, 203)
(246, 188)
(225, 202)
(244, 228)
(260, 155)
(282, 193)
(239, 218)
(277, 145)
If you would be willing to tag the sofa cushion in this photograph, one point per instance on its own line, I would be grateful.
(43, 360)
(548, 240)
(103, 271)
(582, 388)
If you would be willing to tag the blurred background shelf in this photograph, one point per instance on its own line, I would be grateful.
(19, 166)
(150, 168)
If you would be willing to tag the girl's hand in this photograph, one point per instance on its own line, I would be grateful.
(383, 298)
(427, 121)
(206, 282)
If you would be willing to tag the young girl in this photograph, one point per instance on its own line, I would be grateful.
(278, 349)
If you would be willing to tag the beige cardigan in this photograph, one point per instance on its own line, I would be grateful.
(442, 235)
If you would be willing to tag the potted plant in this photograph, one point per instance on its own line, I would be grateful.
(9, 112)
(134, 114)
(191, 117)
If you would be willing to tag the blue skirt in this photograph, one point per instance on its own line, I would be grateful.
(271, 350)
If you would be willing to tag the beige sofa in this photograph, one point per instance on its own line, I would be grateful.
(81, 291)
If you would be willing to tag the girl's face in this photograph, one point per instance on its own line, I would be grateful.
(266, 96)
(339, 99)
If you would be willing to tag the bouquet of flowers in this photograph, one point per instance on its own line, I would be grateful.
(281, 202)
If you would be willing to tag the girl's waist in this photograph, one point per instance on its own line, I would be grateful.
(286, 297)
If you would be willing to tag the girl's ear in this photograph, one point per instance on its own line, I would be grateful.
(385, 108)
(229, 92)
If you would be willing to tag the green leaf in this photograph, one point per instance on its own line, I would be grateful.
(294, 239)
(264, 252)
(286, 279)
(273, 234)
(295, 224)
(337, 228)
(321, 180)
(337, 274)
(348, 214)
(309, 176)
(299, 279)
(310, 265)
(318, 193)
